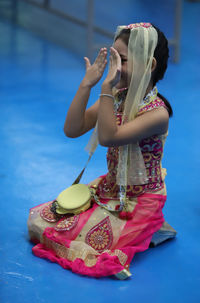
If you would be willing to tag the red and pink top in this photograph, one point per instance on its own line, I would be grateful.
(152, 151)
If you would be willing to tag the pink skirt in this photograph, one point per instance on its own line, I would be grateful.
(97, 242)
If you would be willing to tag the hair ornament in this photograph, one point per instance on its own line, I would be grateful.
(141, 24)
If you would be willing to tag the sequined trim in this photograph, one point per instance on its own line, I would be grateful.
(47, 214)
(67, 224)
(71, 254)
(152, 151)
(110, 191)
(90, 259)
(149, 97)
(152, 105)
(100, 237)
(141, 24)
(121, 256)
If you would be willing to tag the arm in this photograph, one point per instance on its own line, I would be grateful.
(79, 120)
(151, 123)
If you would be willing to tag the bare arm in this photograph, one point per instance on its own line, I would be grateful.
(79, 120)
(154, 122)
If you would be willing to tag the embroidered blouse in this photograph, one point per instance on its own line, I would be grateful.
(151, 148)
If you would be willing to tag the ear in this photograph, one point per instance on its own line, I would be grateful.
(154, 64)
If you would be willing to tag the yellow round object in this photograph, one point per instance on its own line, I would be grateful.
(61, 211)
(72, 198)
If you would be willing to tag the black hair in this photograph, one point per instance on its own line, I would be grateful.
(161, 54)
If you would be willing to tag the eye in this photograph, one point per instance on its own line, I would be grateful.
(123, 60)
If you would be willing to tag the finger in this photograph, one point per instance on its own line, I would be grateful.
(116, 58)
(87, 62)
(113, 55)
(103, 66)
(98, 58)
(101, 60)
(101, 56)
(110, 62)
(104, 56)
(114, 52)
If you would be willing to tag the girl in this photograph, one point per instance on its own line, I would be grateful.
(132, 121)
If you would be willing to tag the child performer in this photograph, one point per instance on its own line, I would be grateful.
(132, 121)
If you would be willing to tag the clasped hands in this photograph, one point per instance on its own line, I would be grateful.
(95, 71)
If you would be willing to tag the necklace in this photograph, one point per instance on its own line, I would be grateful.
(121, 95)
(119, 98)
(149, 97)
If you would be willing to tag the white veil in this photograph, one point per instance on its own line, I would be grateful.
(141, 46)
(142, 43)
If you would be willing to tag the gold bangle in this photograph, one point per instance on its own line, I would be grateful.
(106, 95)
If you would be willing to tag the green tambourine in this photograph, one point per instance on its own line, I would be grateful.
(74, 200)
(78, 197)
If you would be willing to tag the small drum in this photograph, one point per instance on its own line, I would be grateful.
(74, 200)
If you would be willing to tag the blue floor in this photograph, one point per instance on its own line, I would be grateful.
(37, 83)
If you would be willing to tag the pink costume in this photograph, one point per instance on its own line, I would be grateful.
(97, 242)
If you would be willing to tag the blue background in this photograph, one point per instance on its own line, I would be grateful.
(38, 80)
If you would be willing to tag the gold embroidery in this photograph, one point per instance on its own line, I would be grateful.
(121, 256)
(84, 253)
(147, 157)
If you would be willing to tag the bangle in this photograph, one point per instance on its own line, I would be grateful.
(107, 95)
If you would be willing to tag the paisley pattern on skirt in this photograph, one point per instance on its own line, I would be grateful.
(97, 242)
(100, 237)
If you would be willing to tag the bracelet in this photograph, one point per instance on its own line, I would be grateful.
(107, 95)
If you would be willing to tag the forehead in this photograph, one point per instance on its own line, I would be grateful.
(121, 47)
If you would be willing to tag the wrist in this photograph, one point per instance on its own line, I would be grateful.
(106, 87)
(107, 96)
(85, 84)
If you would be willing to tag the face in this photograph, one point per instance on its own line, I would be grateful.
(122, 49)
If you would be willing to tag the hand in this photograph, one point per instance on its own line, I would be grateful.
(95, 71)
(114, 72)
